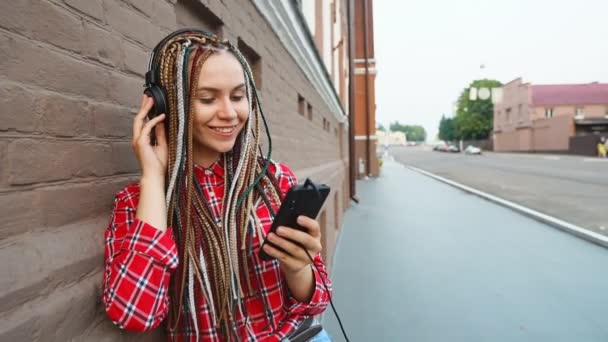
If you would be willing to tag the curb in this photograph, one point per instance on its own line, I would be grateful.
(536, 215)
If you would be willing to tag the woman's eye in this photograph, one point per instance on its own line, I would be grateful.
(237, 98)
(206, 100)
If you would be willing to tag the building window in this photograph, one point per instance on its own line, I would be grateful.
(508, 115)
(326, 125)
(333, 12)
(579, 112)
(301, 105)
(323, 226)
(549, 112)
(336, 210)
(253, 59)
(340, 139)
(309, 112)
(193, 13)
(519, 111)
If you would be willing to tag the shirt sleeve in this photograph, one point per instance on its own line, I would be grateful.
(139, 260)
(323, 287)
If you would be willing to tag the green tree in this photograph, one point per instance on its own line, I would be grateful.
(379, 127)
(474, 119)
(447, 129)
(412, 132)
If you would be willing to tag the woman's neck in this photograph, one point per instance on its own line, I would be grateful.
(206, 159)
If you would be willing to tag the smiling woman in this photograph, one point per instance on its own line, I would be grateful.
(221, 107)
(183, 242)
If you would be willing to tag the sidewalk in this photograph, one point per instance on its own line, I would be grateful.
(421, 261)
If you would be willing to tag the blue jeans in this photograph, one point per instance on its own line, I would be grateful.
(322, 337)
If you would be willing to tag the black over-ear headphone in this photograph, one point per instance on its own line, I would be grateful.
(153, 88)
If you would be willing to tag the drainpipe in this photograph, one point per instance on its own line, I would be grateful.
(366, 51)
(351, 101)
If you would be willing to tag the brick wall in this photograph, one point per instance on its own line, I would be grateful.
(71, 75)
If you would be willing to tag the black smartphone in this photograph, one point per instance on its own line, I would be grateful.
(302, 199)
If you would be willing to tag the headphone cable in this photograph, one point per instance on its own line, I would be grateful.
(331, 302)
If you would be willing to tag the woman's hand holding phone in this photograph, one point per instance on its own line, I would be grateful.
(294, 260)
(295, 243)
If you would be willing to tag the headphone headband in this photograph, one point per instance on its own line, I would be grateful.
(154, 55)
(153, 88)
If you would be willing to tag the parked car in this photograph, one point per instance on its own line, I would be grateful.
(438, 147)
(453, 149)
(472, 150)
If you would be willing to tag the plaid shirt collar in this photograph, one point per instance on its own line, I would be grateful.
(216, 169)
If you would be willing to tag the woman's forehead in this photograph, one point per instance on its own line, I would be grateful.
(222, 71)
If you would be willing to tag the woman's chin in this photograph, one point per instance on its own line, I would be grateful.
(224, 147)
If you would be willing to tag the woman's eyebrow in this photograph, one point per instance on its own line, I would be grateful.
(211, 89)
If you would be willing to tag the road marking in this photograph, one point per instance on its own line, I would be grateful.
(550, 220)
(551, 158)
(601, 160)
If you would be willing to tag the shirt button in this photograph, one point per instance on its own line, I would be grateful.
(208, 172)
(211, 193)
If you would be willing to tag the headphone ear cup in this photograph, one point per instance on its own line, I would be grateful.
(160, 101)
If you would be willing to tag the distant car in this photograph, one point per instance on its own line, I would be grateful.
(472, 150)
(453, 149)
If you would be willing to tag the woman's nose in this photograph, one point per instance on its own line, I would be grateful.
(227, 110)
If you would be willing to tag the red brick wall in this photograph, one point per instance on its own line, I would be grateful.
(71, 79)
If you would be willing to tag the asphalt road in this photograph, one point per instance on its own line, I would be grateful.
(419, 260)
(571, 188)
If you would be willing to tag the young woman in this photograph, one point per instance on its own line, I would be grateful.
(182, 245)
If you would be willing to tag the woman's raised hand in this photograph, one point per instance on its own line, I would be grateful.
(152, 159)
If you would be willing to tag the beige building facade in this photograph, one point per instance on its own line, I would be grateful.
(546, 118)
(391, 138)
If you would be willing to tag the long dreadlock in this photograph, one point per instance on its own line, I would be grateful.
(214, 256)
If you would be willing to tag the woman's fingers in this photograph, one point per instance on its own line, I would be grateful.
(311, 243)
(287, 245)
(145, 131)
(285, 258)
(139, 120)
(311, 225)
(161, 138)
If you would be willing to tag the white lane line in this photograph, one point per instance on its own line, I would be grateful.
(551, 158)
(601, 160)
(553, 221)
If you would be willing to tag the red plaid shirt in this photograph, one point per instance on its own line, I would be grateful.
(139, 260)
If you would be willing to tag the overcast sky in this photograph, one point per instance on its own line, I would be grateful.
(428, 51)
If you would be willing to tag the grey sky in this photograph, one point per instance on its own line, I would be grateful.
(428, 51)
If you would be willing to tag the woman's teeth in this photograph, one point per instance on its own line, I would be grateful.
(224, 130)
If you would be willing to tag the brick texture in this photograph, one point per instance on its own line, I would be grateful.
(72, 74)
(19, 109)
(91, 8)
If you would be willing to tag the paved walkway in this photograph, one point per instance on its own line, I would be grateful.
(421, 261)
